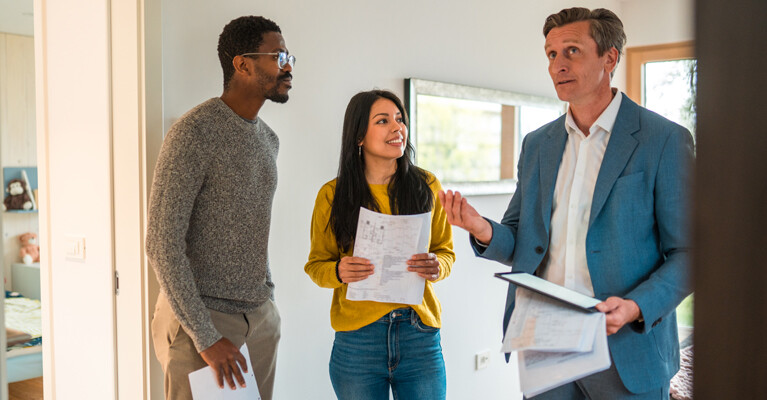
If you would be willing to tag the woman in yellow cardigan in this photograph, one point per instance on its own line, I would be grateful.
(379, 346)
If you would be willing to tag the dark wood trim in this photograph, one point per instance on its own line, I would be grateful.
(730, 214)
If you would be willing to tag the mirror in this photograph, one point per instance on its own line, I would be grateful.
(470, 137)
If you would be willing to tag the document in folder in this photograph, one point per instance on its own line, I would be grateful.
(549, 289)
(557, 342)
(544, 324)
(540, 371)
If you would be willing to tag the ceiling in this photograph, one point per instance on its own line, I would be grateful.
(16, 17)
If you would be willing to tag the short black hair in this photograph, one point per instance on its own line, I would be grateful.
(242, 35)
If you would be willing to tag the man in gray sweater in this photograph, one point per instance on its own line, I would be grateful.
(209, 216)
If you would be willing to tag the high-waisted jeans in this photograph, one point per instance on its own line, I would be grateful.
(397, 351)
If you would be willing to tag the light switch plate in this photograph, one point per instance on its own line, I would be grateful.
(75, 248)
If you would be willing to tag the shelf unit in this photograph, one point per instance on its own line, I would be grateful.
(15, 223)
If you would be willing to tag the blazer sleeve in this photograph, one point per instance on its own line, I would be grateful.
(670, 283)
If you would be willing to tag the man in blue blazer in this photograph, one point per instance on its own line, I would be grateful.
(600, 207)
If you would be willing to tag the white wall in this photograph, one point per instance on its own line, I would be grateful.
(343, 47)
(658, 21)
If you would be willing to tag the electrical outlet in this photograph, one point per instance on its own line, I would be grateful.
(481, 360)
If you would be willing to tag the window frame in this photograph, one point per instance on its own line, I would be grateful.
(511, 103)
(638, 56)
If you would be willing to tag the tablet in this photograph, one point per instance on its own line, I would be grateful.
(546, 288)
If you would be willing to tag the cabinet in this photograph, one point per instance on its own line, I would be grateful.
(26, 279)
(17, 135)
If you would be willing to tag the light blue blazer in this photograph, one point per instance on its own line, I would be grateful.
(638, 241)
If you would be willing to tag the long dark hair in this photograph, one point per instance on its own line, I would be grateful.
(409, 191)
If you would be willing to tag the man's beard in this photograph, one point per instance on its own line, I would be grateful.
(274, 94)
(277, 97)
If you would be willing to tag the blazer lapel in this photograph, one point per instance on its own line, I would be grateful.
(619, 150)
(550, 158)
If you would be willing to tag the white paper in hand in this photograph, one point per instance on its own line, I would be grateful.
(556, 343)
(540, 371)
(388, 241)
(544, 324)
(205, 387)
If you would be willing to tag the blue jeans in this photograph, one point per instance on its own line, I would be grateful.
(397, 351)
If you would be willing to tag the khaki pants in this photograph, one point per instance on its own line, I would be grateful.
(175, 350)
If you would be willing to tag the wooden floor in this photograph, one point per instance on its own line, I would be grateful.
(31, 389)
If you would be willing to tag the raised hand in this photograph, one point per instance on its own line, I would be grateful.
(461, 214)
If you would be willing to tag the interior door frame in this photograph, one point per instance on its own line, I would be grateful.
(134, 62)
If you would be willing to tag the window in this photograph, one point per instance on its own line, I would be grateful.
(663, 78)
(470, 137)
(459, 140)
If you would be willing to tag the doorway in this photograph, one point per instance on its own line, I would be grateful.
(22, 358)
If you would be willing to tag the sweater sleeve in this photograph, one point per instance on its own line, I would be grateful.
(441, 235)
(179, 176)
(324, 252)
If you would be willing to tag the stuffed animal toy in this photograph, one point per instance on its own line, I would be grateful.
(30, 250)
(17, 199)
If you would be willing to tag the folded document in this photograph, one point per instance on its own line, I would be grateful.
(556, 343)
(205, 387)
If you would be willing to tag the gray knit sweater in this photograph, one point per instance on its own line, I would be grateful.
(209, 215)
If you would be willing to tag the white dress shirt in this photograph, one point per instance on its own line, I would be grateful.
(566, 263)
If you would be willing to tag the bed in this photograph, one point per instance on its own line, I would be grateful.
(24, 330)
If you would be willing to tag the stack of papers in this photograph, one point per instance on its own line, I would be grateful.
(555, 342)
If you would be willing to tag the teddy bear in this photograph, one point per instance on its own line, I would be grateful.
(30, 250)
(17, 199)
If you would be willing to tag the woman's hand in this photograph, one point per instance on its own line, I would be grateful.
(354, 269)
(425, 265)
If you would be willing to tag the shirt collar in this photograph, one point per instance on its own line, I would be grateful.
(606, 120)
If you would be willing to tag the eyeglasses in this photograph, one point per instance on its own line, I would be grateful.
(283, 58)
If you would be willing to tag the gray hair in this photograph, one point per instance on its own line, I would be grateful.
(606, 27)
